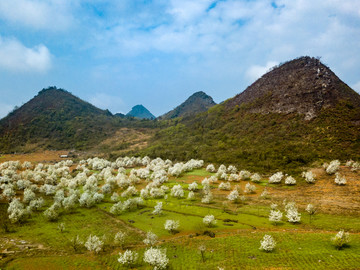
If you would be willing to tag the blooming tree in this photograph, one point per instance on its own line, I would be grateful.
(128, 258)
(276, 178)
(209, 220)
(290, 180)
(275, 216)
(158, 209)
(156, 258)
(94, 244)
(171, 225)
(339, 179)
(151, 238)
(333, 167)
(249, 188)
(309, 177)
(341, 239)
(267, 243)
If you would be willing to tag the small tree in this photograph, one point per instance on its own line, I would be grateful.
(128, 258)
(119, 238)
(158, 209)
(76, 243)
(275, 216)
(202, 250)
(234, 196)
(341, 239)
(156, 258)
(94, 244)
(171, 225)
(311, 210)
(339, 179)
(209, 220)
(151, 239)
(267, 243)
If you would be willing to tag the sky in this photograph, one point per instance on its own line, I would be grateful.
(117, 54)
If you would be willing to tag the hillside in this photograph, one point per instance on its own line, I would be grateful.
(56, 119)
(196, 103)
(139, 111)
(295, 114)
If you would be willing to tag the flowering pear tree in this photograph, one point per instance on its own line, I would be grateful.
(268, 243)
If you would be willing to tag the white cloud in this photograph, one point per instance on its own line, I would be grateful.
(255, 71)
(14, 56)
(52, 14)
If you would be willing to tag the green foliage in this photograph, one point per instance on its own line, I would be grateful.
(261, 142)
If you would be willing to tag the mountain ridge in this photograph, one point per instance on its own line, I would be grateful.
(139, 111)
(196, 103)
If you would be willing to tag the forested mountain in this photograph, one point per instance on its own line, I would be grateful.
(295, 114)
(197, 102)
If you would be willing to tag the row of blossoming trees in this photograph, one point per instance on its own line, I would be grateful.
(25, 185)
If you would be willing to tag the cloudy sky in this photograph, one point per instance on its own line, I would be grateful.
(116, 54)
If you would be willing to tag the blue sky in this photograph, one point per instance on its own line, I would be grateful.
(116, 54)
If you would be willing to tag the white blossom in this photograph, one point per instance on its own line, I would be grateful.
(333, 167)
(177, 191)
(158, 209)
(275, 216)
(309, 177)
(290, 180)
(249, 188)
(210, 168)
(151, 238)
(171, 225)
(94, 244)
(341, 239)
(276, 178)
(339, 179)
(233, 196)
(209, 220)
(156, 258)
(128, 257)
(193, 186)
(267, 243)
(255, 178)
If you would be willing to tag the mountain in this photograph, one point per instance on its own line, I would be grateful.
(139, 111)
(55, 119)
(196, 103)
(297, 113)
(304, 85)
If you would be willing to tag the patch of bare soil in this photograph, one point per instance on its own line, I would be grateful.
(324, 193)
(126, 139)
(44, 156)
